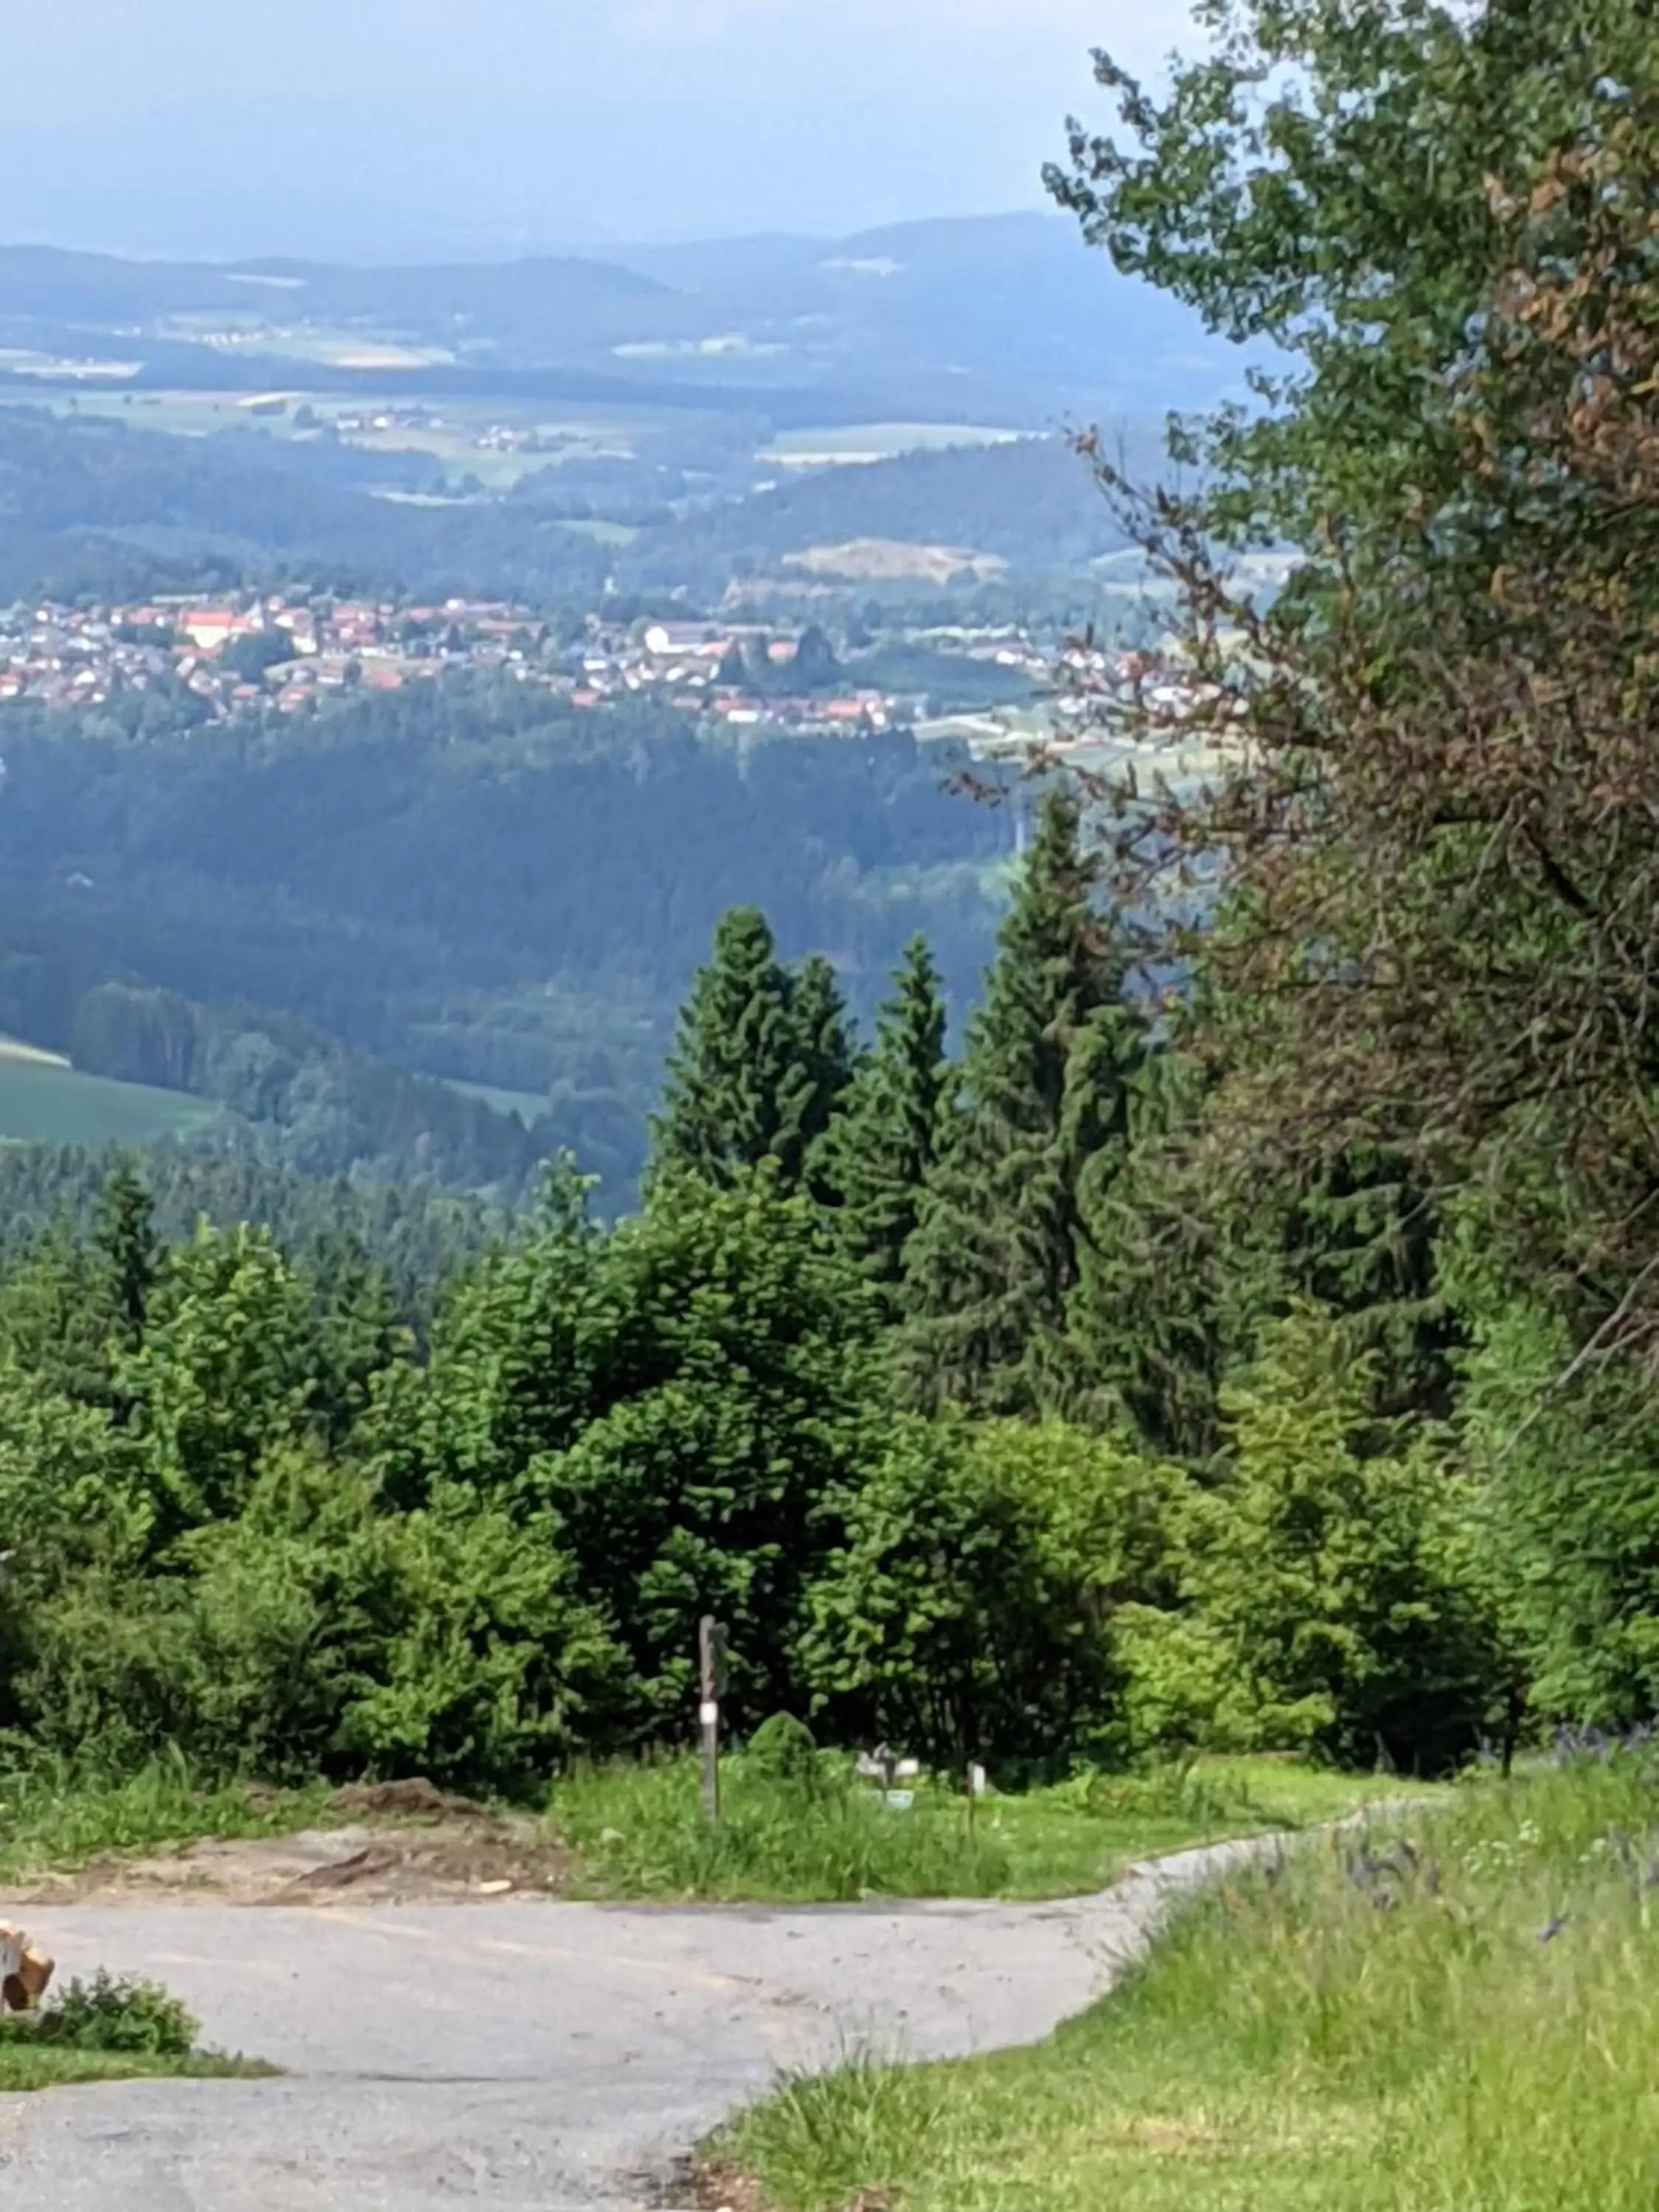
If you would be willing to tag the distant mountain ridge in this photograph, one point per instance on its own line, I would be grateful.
(1009, 317)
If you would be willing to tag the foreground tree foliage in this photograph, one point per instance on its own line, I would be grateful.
(1442, 915)
(1430, 924)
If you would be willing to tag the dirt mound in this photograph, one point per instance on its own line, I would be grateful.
(413, 1800)
(411, 1844)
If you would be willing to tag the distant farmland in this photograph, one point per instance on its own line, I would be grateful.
(44, 1101)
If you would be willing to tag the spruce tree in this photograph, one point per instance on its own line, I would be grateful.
(761, 1058)
(360, 1332)
(826, 1059)
(1046, 1080)
(126, 1241)
(1175, 1277)
(1361, 1236)
(884, 1142)
(1183, 1265)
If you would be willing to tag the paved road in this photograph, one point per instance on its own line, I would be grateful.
(561, 2058)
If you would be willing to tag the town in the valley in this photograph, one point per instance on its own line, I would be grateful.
(292, 652)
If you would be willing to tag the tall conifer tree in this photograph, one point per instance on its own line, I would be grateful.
(1173, 1277)
(818, 1013)
(1046, 1080)
(127, 1242)
(1183, 1263)
(761, 1058)
(883, 1143)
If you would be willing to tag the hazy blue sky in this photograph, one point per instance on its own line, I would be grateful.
(187, 125)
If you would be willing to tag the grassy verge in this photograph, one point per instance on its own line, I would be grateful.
(1455, 2016)
(108, 2030)
(25, 2068)
(637, 1829)
(639, 1833)
(52, 1818)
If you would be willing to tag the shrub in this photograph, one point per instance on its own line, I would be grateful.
(969, 1613)
(1330, 1600)
(682, 1396)
(115, 2014)
(782, 1749)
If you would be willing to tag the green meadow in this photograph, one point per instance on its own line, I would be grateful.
(44, 1101)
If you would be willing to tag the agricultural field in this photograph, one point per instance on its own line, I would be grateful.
(451, 435)
(893, 560)
(864, 442)
(182, 414)
(45, 1101)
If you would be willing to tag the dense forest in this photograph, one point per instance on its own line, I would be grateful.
(466, 884)
(67, 485)
(846, 1376)
(1240, 1334)
(415, 1238)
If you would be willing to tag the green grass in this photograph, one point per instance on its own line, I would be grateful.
(639, 1833)
(52, 1818)
(44, 1104)
(1470, 2030)
(25, 2067)
(1081, 1836)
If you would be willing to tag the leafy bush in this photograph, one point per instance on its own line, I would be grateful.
(675, 1404)
(110, 2015)
(969, 1613)
(783, 1750)
(490, 1668)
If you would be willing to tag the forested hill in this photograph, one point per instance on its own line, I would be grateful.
(309, 923)
(87, 502)
(1029, 501)
(74, 495)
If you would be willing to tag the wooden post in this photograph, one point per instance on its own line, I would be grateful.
(711, 1642)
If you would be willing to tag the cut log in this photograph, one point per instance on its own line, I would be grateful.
(26, 1971)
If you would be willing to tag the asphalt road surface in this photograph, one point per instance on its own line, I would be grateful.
(558, 2058)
